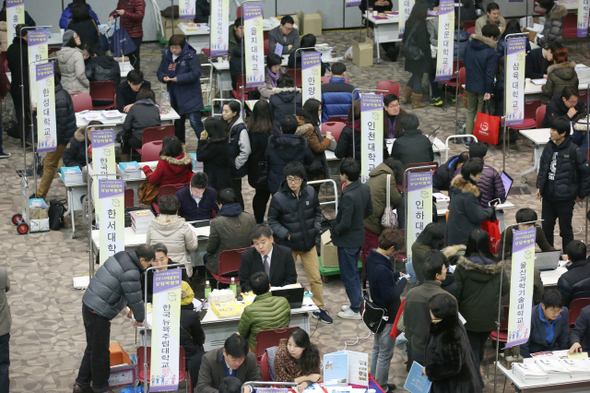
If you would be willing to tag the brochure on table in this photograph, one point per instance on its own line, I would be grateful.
(346, 367)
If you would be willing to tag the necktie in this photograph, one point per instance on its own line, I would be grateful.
(266, 266)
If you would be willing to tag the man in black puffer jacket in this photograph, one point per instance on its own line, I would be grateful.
(564, 178)
(444, 174)
(102, 68)
(294, 217)
(115, 285)
(65, 117)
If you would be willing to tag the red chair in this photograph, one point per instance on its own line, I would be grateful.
(583, 96)
(265, 368)
(167, 189)
(206, 51)
(103, 95)
(570, 25)
(153, 134)
(129, 197)
(391, 87)
(266, 47)
(471, 30)
(503, 337)
(575, 307)
(334, 127)
(81, 101)
(540, 115)
(151, 151)
(326, 79)
(270, 338)
(530, 115)
(292, 72)
(229, 265)
(468, 24)
(142, 376)
(340, 119)
(237, 93)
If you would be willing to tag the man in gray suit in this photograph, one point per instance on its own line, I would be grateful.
(284, 34)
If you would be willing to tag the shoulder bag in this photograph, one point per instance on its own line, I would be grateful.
(389, 217)
(411, 49)
(374, 317)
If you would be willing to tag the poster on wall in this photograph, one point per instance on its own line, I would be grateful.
(186, 9)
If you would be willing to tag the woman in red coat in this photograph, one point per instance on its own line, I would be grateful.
(174, 166)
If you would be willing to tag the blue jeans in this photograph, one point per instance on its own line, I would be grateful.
(383, 345)
(4, 363)
(349, 273)
(415, 82)
(196, 123)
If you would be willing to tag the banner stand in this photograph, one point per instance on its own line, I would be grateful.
(514, 350)
(295, 79)
(242, 2)
(352, 103)
(587, 144)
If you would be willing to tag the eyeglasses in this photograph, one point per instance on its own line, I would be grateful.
(294, 180)
(393, 105)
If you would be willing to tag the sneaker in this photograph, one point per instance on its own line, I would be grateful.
(5, 155)
(349, 314)
(436, 101)
(345, 307)
(323, 315)
(391, 386)
(468, 142)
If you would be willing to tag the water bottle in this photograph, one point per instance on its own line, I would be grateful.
(207, 290)
(233, 286)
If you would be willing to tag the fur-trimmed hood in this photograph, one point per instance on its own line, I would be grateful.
(80, 133)
(304, 129)
(477, 272)
(465, 186)
(557, 12)
(486, 40)
(565, 70)
(179, 161)
(277, 90)
(450, 251)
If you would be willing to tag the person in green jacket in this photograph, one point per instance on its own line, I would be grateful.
(266, 312)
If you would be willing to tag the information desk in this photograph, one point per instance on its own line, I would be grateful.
(531, 89)
(539, 137)
(557, 382)
(117, 122)
(221, 67)
(550, 277)
(197, 35)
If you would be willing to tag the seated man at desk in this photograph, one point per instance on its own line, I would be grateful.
(492, 17)
(568, 105)
(274, 260)
(549, 326)
(266, 312)
(161, 263)
(575, 283)
(197, 199)
(539, 59)
(337, 94)
(284, 34)
(233, 360)
(127, 91)
(580, 334)
(524, 215)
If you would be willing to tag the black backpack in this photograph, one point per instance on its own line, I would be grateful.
(375, 318)
(57, 209)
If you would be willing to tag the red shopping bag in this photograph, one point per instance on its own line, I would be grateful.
(394, 330)
(487, 127)
(492, 227)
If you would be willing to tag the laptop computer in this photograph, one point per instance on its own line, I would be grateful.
(547, 260)
(507, 181)
(200, 223)
(293, 295)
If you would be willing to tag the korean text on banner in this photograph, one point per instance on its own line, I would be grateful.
(219, 27)
(446, 40)
(515, 67)
(371, 133)
(419, 209)
(111, 211)
(103, 159)
(583, 6)
(312, 75)
(165, 331)
(46, 121)
(353, 3)
(254, 42)
(521, 286)
(186, 9)
(405, 7)
(15, 15)
(37, 44)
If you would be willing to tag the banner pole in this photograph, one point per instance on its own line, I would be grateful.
(244, 47)
(352, 103)
(295, 78)
(457, 72)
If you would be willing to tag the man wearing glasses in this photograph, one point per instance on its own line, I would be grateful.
(294, 216)
(284, 34)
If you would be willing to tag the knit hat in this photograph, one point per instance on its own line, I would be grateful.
(68, 34)
(186, 293)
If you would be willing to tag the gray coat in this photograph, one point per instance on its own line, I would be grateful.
(143, 114)
(73, 70)
(5, 320)
(553, 27)
(115, 285)
(275, 35)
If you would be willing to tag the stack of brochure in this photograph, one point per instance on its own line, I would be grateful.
(551, 366)
(529, 372)
(130, 170)
(140, 220)
(71, 174)
(576, 367)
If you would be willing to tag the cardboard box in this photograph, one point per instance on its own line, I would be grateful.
(532, 34)
(311, 24)
(168, 26)
(362, 53)
(41, 225)
(328, 251)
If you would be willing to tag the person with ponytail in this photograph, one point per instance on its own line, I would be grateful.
(465, 212)
(297, 360)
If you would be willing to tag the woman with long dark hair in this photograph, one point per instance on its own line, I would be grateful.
(260, 126)
(478, 248)
(309, 128)
(431, 238)
(239, 146)
(297, 360)
(512, 27)
(417, 40)
(174, 166)
(213, 152)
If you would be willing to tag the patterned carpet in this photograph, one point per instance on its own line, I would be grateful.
(47, 331)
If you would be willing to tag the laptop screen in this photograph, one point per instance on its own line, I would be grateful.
(507, 181)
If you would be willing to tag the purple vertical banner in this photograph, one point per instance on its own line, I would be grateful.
(36, 37)
(167, 280)
(111, 188)
(523, 239)
(353, 3)
(310, 60)
(419, 180)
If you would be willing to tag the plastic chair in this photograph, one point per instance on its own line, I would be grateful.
(530, 115)
(583, 96)
(142, 376)
(81, 101)
(151, 151)
(503, 337)
(570, 25)
(292, 72)
(540, 115)
(270, 338)
(229, 265)
(265, 368)
(471, 30)
(153, 134)
(468, 24)
(340, 119)
(129, 197)
(237, 93)
(103, 95)
(575, 307)
(167, 189)
(391, 87)
(266, 47)
(326, 79)
(334, 127)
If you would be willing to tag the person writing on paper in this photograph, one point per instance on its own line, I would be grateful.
(174, 165)
(273, 71)
(559, 75)
(126, 92)
(523, 215)
(568, 104)
(579, 340)
(284, 34)
(197, 199)
(549, 326)
(386, 288)
(297, 360)
(539, 59)
(444, 174)
(450, 364)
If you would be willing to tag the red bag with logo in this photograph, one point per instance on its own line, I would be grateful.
(487, 127)
(492, 227)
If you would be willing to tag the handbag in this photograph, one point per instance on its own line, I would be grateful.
(262, 171)
(317, 164)
(146, 192)
(374, 317)
(120, 43)
(102, 39)
(492, 227)
(389, 217)
(397, 328)
(411, 49)
(486, 126)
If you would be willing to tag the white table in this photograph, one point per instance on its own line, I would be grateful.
(217, 330)
(550, 277)
(386, 30)
(74, 192)
(562, 383)
(583, 71)
(539, 137)
(197, 35)
(116, 123)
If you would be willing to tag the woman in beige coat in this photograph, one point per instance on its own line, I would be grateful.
(173, 232)
(71, 64)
